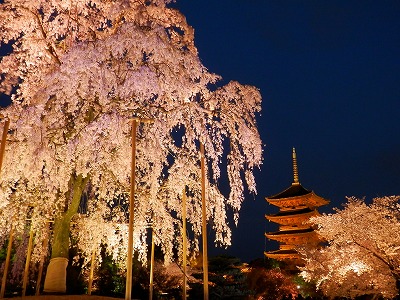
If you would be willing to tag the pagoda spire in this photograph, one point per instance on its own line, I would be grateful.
(295, 171)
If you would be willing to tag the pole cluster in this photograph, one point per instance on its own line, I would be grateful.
(11, 236)
(128, 290)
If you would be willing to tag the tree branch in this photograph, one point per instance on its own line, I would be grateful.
(50, 49)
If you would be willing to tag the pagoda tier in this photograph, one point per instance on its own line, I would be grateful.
(283, 254)
(293, 218)
(294, 237)
(296, 206)
(290, 257)
(296, 196)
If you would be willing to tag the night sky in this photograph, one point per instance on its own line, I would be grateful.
(329, 74)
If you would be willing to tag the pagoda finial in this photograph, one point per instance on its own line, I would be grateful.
(295, 171)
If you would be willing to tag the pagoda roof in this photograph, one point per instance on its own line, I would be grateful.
(290, 232)
(287, 251)
(297, 196)
(294, 237)
(295, 190)
(283, 254)
(294, 212)
(294, 217)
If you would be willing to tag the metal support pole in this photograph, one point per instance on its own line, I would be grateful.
(91, 272)
(184, 243)
(204, 223)
(28, 260)
(151, 265)
(128, 291)
(4, 279)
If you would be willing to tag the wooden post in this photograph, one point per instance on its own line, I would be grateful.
(28, 260)
(91, 272)
(4, 279)
(2, 149)
(204, 222)
(40, 271)
(151, 265)
(128, 290)
(184, 242)
(3, 140)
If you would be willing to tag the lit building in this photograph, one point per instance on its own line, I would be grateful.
(296, 205)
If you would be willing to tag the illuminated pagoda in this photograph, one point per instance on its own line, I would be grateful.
(296, 206)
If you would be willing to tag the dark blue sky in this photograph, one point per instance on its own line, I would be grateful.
(329, 74)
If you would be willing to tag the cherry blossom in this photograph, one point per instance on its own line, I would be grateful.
(79, 71)
(363, 251)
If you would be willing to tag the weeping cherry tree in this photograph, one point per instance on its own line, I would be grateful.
(78, 72)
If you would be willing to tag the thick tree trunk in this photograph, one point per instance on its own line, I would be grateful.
(56, 275)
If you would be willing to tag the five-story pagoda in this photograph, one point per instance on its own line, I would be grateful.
(296, 205)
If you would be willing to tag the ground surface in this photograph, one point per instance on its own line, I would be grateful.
(65, 297)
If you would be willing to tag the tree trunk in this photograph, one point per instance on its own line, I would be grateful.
(56, 275)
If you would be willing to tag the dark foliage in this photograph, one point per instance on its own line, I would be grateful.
(226, 281)
(76, 284)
